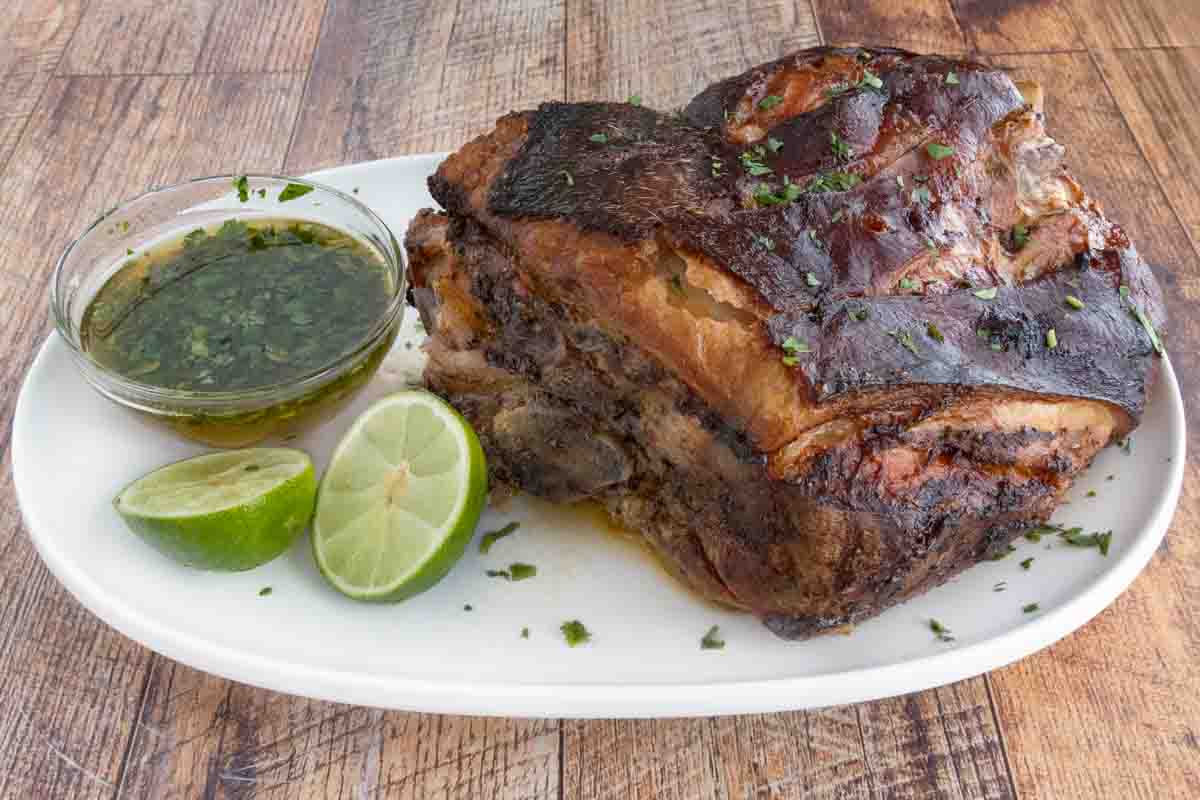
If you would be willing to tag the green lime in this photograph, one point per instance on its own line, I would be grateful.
(224, 511)
(400, 499)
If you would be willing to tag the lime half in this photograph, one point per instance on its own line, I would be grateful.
(223, 511)
(400, 499)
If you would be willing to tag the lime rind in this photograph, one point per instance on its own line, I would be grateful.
(372, 546)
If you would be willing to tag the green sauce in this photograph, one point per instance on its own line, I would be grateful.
(240, 306)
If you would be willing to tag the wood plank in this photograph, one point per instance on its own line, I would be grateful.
(927, 26)
(33, 35)
(1119, 695)
(666, 51)
(69, 686)
(1158, 92)
(200, 736)
(139, 37)
(941, 743)
(75, 684)
(1017, 26)
(391, 78)
(1135, 23)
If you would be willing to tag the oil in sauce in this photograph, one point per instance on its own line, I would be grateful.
(238, 306)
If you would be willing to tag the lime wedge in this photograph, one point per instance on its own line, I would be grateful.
(400, 499)
(223, 511)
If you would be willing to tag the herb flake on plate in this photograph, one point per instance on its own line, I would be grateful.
(491, 537)
(575, 633)
(712, 640)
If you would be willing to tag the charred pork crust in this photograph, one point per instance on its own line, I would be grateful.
(839, 330)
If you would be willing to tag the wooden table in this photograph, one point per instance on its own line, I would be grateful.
(101, 99)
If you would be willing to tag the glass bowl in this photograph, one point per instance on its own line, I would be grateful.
(226, 418)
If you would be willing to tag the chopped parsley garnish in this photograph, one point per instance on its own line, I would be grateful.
(294, 190)
(905, 338)
(1027, 563)
(520, 572)
(242, 184)
(1109, 477)
(764, 197)
(712, 640)
(986, 294)
(567, 177)
(575, 633)
(934, 333)
(1051, 339)
(921, 195)
(1077, 538)
(491, 537)
(524, 633)
(1029, 609)
(676, 284)
(1149, 328)
(1020, 236)
(468, 607)
(833, 182)
(634, 100)
(264, 191)
(940, 630)
(939, 151)
(128, 252)
(773, 144)
(871, 80)
(952, 78)
(1000, 587)
(793, 346)
(752, 161)
(264, 591)
(907, 283)
(499, 573)
(769, 102)
(841, 150)
(599, 138)
(765, 242)
(811, 279)
(1074, 302)
(1091, 493)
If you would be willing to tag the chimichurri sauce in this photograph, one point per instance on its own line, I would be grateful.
(244, 305)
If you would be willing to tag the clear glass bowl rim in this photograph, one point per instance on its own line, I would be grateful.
(158, 395)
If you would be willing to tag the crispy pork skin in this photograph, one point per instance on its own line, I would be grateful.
(839, 330)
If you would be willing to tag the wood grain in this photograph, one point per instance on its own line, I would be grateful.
(1136, 23)
(74, 685)
(391, 78)
(31, 43)
(202, 736)
(940, 743)
(1017, 26)
(668, 51)
(927, 26)
(139, 37)
(1119, 695)
(1158, 91)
